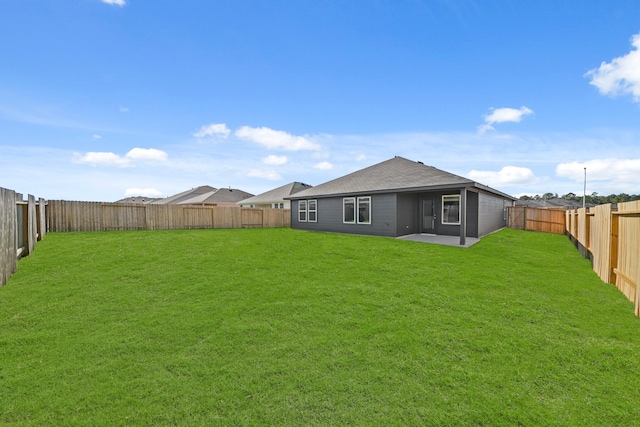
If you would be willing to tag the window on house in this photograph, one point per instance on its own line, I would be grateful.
(302, 211)
(451, 210)
(349, 210)
(312, 207)
(364, 210)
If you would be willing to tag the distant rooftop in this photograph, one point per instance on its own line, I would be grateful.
(277, 194)
(205, 195)
(137, 200)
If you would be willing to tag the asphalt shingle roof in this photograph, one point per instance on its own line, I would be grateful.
(185, 195)
(137, 200)
(277, 194)
(205, 194)
(222, 195)
(396, 174)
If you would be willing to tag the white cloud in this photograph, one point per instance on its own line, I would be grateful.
(96, 136)
(323, 166)
(219, 130)
(123, 109)
(151, 154)
(507, 176)
(97, 158)
(275, 160)
(276, 139)
(621, 76)
(115, 2)
(145, 192)
(617, 171)
(270, 175)
(102, 159)
(501, 115)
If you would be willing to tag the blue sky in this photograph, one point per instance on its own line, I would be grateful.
(102, 99)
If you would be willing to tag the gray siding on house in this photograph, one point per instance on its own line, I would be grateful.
(472, 214)
(491, 213)
(446, 229)
(398, 188)
(408, 208)
(399, 214)
(383, 217)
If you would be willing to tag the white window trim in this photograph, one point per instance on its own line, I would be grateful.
(451, 197)
(368, 221)
(302, 203)
(355, 212)
(309, 210)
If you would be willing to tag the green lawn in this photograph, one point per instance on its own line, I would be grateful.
(283, 327)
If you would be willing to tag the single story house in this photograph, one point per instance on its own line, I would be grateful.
(206, 195)
(274, 198)
(400, 197)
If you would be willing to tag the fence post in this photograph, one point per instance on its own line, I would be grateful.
(637, 310)
(613, 258)
(41, 208)
(587, 225)
(32, 227)
(8, 234)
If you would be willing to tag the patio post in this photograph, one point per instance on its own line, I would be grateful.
(463, 216)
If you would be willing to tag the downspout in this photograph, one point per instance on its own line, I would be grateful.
(463, 216)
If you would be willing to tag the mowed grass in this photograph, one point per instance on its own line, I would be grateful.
(284, 327)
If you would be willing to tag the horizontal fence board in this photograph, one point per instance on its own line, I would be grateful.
(252, 218)
(537, 219)
(93, 216)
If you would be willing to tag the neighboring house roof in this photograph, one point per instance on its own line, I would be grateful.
(394, 175)
(221, 195)
(277, 194)
(557, 203)
(205, 195)
(137, 200)
(185, 195)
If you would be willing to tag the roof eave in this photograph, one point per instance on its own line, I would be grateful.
(385, 191)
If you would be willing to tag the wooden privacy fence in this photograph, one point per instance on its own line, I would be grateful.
(22, 224)
(537, 219)
(95, 216)
(610, 237)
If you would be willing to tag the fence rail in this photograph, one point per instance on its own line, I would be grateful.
(22, 224)
(537, 219)
(95, 216)
(610, 237)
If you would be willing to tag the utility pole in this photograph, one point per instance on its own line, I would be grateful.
(584, 194)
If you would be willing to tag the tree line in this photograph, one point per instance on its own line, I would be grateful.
(592, 199)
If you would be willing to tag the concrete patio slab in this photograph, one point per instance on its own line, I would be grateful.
(440, 240)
